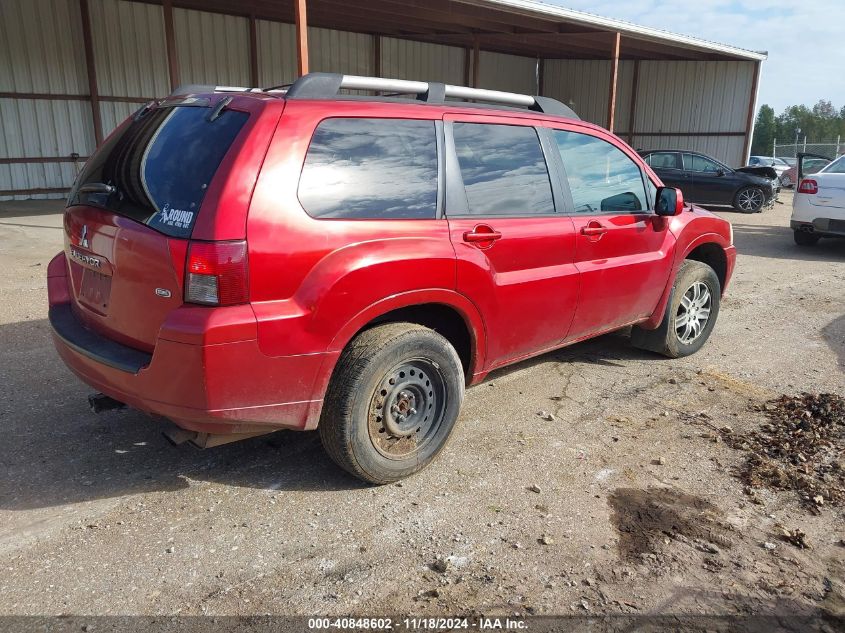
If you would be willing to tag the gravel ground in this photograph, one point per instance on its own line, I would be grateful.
(625, 502)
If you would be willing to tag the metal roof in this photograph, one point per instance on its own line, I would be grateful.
(623, 27)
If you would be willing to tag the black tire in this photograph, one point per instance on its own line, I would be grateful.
(804, 238)
(392, 402)
(666, 339)
(749, 200)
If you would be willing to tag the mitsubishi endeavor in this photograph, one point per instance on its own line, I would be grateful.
(242, 260)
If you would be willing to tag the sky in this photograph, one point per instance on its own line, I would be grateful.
(804, 39)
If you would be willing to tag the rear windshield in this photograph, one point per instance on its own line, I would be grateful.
(158, 169)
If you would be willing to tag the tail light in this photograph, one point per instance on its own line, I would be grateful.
(808, 185)
(217, 273)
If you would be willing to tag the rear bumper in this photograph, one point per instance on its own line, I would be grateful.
(825, 227)
(224, 386)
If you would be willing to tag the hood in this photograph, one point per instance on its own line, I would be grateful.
(762, 172)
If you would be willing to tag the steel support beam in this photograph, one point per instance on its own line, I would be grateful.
(614, 76)
(476, 59)
(92, 71)
(632, 112)
(301, 38)
(253, 52)
(170, 43)
(749, 121)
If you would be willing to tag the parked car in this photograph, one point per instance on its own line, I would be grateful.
(818, 206)
(810, 166)
(704, 180)
(241, 262)
(778, 164)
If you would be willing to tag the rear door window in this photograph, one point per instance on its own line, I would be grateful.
(602, 178)
(503, 168)
(360, 168)
(665, 160)
(158, 169)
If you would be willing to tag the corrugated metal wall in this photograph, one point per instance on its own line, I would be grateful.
(584, 86)
(694, 97)
(130, 56)
(340, 51)
(211, 48)
(404, 59)
(40, 53)
(703, 98)
(511, 73)
(276, 53)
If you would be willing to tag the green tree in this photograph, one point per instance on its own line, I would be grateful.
(764, 131)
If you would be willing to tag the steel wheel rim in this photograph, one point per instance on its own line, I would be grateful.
(693, 312)
(407, 408)
(750, 199)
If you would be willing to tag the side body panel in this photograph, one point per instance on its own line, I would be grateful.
(524, 282)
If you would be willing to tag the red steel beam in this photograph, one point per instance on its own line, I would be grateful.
(301, 37)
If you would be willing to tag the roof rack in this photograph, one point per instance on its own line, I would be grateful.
(188, 89)
(328, 85)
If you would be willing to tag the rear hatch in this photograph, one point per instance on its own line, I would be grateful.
(133, 209)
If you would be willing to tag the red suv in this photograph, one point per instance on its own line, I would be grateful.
(245, 261)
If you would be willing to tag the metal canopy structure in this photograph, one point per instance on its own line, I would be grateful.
(93, 61)
(517, 27)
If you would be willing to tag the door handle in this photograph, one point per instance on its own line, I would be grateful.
(482, 234)
(593, 229)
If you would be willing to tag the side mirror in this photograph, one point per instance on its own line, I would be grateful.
(720, 172)
(669, 201)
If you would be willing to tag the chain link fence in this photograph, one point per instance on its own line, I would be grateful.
(831, 149)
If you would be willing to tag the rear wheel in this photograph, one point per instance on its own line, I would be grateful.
(690, 315)
(749, 200)
(805, 238)
(786, 181)
(392, 402)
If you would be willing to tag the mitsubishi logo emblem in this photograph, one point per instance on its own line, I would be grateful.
(83, 238)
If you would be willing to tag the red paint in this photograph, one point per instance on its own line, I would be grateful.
(521, 285)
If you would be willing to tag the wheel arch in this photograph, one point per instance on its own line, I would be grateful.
(706, 248)
(445, 311)
(713, 255)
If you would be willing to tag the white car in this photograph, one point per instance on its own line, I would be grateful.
(818, 206)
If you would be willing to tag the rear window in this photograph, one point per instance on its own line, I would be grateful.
(836, 167)
(158, 169)
(664, 160)
(371, 169)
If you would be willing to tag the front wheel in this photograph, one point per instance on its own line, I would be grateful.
(392, 402)
(749, 200)
(786, 181)
(690, 314)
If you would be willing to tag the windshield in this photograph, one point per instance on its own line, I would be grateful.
(157, 169)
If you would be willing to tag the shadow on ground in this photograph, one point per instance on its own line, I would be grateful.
(777, 242)
(834, 335)
(56, 451)
(18, 209)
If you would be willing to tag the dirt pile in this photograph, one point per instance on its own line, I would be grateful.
(800, 448)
